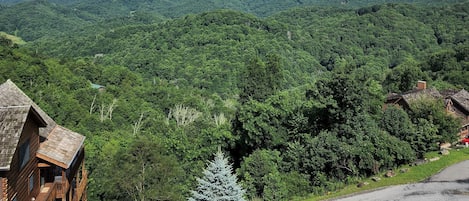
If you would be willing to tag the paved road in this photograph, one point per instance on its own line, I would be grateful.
(450, 184)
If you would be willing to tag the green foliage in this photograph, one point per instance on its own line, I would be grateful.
(256, 167)
(450, 65)
(343, 96)
(262, 174)
(207, 51)
(431, 110)
(397, 123)
(342, 110)
(296, 184)
(266, 124)
(275, 188)
(425, 138)
(403, 77)
(42, 19)
(145, 172)
(261, 79)
(261, 125)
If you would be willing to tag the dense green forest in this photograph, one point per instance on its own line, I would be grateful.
(286, 89)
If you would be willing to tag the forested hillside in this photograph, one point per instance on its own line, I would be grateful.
(190, 50)
(40, 18)
(178, 8)
(287, 96)
(37, 19)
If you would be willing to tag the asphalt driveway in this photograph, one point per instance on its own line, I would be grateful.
(450, 184)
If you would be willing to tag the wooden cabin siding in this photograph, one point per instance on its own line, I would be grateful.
(3, 187)
(18, 178)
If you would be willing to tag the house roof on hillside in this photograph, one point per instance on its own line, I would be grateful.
(12, 120)
(448, 92)
(96, 86)
(61, 147)
(420, 93)
(413, 95)
(462, 97)
(11, 95)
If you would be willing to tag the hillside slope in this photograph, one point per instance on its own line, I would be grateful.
(209, 50)
(178, 8)
(50, 18)
(37, 19)
(33, 20)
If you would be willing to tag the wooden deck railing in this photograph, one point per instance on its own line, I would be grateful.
(62, 187)
(81, 188)
(48, 192)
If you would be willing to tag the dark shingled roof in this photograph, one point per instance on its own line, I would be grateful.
(420, 93)
(12, 120)
(11, 95)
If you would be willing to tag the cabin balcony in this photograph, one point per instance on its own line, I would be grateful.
(60, 189)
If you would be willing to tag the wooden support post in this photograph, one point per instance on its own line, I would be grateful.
(64, 185)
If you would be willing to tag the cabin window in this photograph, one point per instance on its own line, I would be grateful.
(24, 154)
(31, 182)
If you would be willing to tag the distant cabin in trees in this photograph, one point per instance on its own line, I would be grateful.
(456, 102)
(39, 159)
(405, 99)
(100, 88)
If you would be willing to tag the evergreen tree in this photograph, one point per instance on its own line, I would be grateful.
(218, 183)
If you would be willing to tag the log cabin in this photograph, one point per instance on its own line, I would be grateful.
(456, 102)
(405, 99)
(39, 159)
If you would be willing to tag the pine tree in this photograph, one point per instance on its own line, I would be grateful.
(218, 183)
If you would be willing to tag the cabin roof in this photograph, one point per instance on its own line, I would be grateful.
(448, 92)
(96, 86)
(419, 93)
(12, 121)
(11, 95)
(413, 95)
(61, 147)
(462, 97)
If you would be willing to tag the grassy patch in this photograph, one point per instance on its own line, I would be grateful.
(14, 39)
(414, 174)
